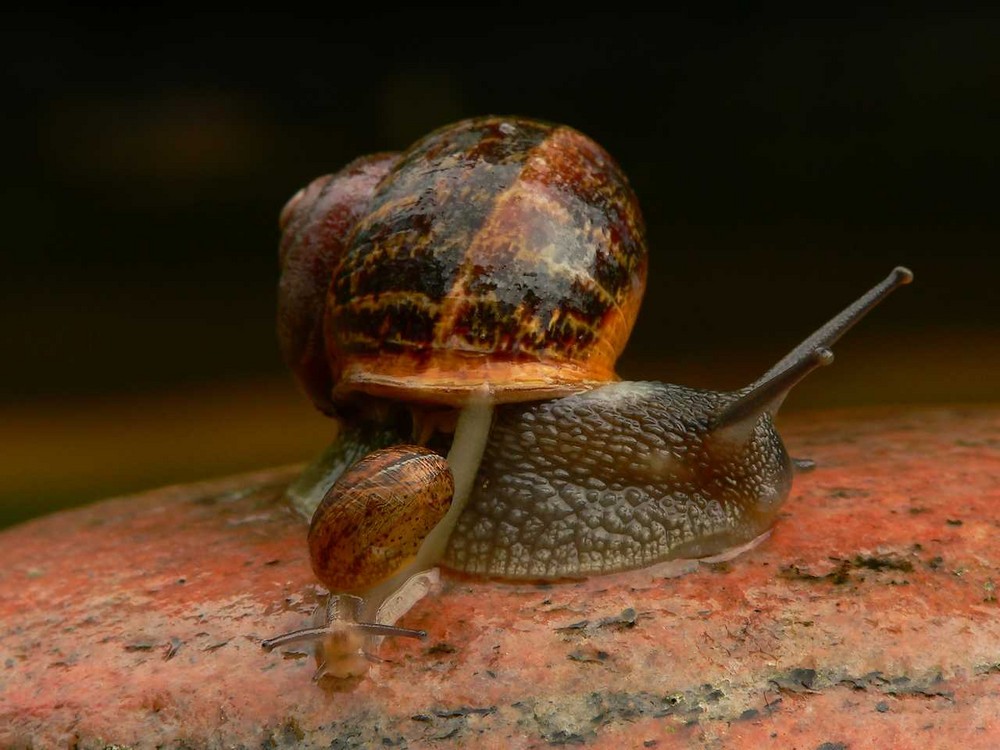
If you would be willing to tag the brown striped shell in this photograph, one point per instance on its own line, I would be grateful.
(373, 521)
(496, 250)
(316, 225)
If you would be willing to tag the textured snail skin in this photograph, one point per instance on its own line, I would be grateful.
(621, 477)
(632, 474)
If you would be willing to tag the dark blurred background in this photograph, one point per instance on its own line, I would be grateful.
(784, 165)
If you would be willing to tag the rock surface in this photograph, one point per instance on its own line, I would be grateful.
(868, 619)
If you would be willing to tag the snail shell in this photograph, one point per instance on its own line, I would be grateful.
(372, 522)
(496, 250)
(316, 224)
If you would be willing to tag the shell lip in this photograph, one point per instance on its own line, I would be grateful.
(405, 378)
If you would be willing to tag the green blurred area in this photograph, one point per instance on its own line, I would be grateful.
(783, 165)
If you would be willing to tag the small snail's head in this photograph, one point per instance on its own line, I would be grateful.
(342, 651)
(363, 537)
(343, 645)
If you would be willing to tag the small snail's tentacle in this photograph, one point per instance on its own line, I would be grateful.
(803, 465)
(315, 634)
(768, 393)
(343, 640)
(837, 326)
(377, 628)
(295, 636)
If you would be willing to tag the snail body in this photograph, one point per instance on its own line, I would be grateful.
(479, 288)
(636, 473)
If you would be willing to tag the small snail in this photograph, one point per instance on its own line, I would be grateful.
(470, 297)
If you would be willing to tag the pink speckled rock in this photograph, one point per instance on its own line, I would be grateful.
(868, 619)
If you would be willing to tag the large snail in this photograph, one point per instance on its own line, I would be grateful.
(469, 298)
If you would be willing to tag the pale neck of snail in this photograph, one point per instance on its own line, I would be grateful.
(472, 432)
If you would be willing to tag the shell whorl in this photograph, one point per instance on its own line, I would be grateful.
(497, 249)
(374, 519)
(316, 224)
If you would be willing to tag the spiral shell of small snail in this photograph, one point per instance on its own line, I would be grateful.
(372, 522)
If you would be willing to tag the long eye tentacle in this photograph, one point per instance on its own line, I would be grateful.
(767, 394)
(769, 391)
(827, 335)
